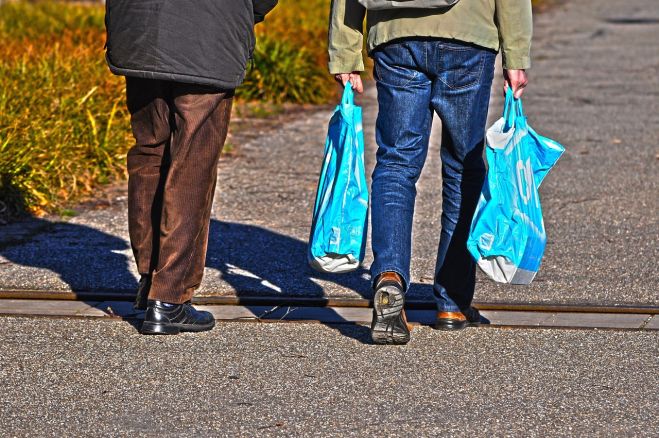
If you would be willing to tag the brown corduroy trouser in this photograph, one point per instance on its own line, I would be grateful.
(179, 132)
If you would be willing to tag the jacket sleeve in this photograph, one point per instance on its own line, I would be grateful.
(262, 7)
(515, 22)
(346, 37)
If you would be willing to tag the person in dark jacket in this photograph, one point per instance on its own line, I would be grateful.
(182, 60)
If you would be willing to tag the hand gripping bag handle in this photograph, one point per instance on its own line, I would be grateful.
(348, 95)
(347, 104)
(513, 111)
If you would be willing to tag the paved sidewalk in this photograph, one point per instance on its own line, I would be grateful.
(594, 87)
(83, 377)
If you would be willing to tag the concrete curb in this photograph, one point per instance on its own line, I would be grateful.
(119, 310)
(257, 300)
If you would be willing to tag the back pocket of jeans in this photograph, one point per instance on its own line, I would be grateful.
(395, 65)
(460, 66)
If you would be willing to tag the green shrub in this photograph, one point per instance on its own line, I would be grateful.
(282, 72)
(290, 61)
(63, 125)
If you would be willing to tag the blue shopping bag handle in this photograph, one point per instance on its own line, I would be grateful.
(513, 111)
(348, 95)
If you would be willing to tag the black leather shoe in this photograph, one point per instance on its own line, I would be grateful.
(389, 324)
(169, 319)
(459, 320)
(142, 292)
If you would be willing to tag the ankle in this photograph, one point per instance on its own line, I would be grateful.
(389, 277)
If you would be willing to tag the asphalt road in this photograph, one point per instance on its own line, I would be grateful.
(93, 378)
(594, 88)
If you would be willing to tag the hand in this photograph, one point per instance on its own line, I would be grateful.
(354, 78)
(515, 79)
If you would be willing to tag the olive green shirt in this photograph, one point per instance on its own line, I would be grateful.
(494, 24)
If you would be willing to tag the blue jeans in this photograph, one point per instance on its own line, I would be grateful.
(415, 78)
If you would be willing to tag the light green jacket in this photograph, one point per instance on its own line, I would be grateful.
(494, 24)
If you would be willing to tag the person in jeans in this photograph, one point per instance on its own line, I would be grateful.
(182, 61)
(428, 61)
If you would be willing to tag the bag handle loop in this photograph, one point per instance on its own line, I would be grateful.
(512, 109)
(348, 95)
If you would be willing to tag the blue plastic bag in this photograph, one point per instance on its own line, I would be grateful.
(507, 236)
(338, 230)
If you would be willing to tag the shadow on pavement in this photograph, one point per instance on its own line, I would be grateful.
(86, 259)
(257, 261)
(89, 261)
(253, 260)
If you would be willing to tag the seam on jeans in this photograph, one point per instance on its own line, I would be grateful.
(457, 49)
(448, 309)
(379, 78)
(436, 295)
(476, 81)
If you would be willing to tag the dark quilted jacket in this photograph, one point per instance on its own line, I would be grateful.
(206, 42)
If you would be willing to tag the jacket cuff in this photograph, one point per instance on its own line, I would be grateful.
(346, 64)
(516, 61)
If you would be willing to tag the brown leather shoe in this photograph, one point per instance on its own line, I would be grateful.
(389, 324)
(459, 320)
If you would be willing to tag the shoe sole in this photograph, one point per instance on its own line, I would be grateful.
(152, 328)
(389, 325)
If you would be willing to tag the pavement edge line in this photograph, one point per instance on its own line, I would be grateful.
(327, 302)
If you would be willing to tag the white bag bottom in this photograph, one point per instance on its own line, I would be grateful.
(335, 263)
(501, 270)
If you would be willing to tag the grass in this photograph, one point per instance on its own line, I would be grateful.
(63, 126)
(290, 61)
